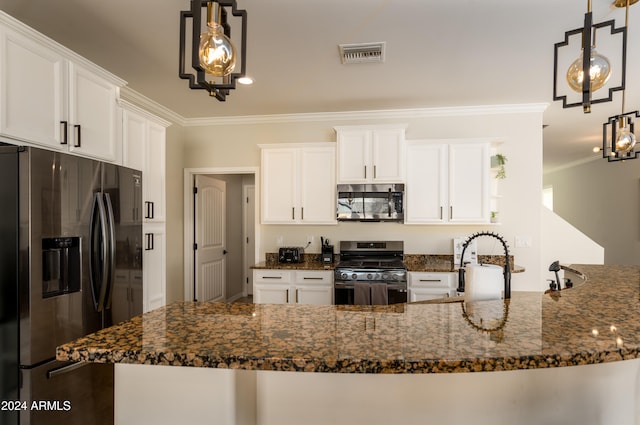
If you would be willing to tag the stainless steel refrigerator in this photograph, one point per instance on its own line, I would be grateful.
(70, 264)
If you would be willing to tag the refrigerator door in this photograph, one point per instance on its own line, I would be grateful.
(123, 195)
(55, 193)
(9, 374)
(76, 393)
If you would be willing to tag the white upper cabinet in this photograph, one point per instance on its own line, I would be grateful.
(469, 183)
(447, 182)
(143, 140)
(53, 98)
(427, 187)
(298, 184)
(370, 154)
(92, 115)
(32, 101)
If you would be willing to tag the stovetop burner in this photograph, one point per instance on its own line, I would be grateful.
(371, 261)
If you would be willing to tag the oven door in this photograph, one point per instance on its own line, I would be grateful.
(344, 293)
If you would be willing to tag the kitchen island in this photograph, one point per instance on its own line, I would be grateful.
(375, 364)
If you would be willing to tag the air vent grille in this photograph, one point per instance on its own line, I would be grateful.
(362, 53)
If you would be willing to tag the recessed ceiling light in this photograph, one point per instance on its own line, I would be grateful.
(245, 80)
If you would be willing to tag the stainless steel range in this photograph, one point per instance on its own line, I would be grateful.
(370, 272)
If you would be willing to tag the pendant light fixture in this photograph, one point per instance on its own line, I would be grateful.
(211, 53)
(618, 138)
(589, 63)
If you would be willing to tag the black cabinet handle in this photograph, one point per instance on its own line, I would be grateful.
(64, 133)
(149, 237)
(150, 209)
(78, 142)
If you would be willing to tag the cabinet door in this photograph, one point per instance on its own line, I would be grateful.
(354, 156)
(154, 261)
(153, 178)
(469, 183)
(317, 191)
(279, 186)
(92, 115)
(387, 155)
(314, 294)
(31, 92)
(426, 193)
(134, 137)
(271, 293)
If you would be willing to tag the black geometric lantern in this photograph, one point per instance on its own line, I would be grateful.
(618, 138)
(211, 54)
(590, 63)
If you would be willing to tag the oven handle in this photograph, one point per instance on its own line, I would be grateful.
(402, 287)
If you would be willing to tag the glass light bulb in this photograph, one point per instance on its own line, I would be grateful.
(625, 140)
(599, 72)
(217, 54)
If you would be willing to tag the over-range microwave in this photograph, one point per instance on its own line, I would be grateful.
(371, 202)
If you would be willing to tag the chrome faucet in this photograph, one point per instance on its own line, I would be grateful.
(507, 265)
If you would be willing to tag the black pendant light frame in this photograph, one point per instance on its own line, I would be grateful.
(587, 31)
(609, 135)
(198, 79)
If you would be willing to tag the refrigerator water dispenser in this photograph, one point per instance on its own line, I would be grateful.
(61, 270)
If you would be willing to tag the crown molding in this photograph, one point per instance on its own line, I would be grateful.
(373, 115)
(144, 102)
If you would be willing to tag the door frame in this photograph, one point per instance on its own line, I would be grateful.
(189, 176)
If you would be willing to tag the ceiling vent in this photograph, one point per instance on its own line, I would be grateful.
(362, 52)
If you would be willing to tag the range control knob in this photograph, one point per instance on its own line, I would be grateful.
(369, 276)
(385, 276)
(354, 276)
(343, 276)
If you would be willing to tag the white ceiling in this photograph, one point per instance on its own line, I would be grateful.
(439, 54)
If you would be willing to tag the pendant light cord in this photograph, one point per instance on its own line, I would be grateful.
(626, 25)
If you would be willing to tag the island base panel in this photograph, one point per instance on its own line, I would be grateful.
(589, 395)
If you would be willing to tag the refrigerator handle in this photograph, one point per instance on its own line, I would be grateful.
(111, 229)
(98, 259)
(65, 369)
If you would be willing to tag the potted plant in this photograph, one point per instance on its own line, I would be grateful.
(497, 161)
(494, 216)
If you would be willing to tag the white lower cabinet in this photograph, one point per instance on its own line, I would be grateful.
(272, 286)
(153, 265)
(424, 286)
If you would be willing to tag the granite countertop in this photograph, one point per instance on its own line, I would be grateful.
(413, 262)
(596, 322)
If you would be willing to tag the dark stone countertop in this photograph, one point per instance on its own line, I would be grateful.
(413, 262)
(595, 322)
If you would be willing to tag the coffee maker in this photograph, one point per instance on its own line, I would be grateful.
(327, 252)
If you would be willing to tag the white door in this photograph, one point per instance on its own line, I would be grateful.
(210, 239)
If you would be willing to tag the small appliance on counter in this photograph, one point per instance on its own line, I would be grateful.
(291, 254)
(327, 251)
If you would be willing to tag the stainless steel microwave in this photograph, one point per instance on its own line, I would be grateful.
(371, 202)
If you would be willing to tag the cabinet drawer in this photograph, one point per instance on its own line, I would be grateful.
(425, 294)
(314, 277)
(431, 280)
(272, 276)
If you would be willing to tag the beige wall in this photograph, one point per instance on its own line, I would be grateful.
(174, 179)
(520, 131)
(602, 200)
